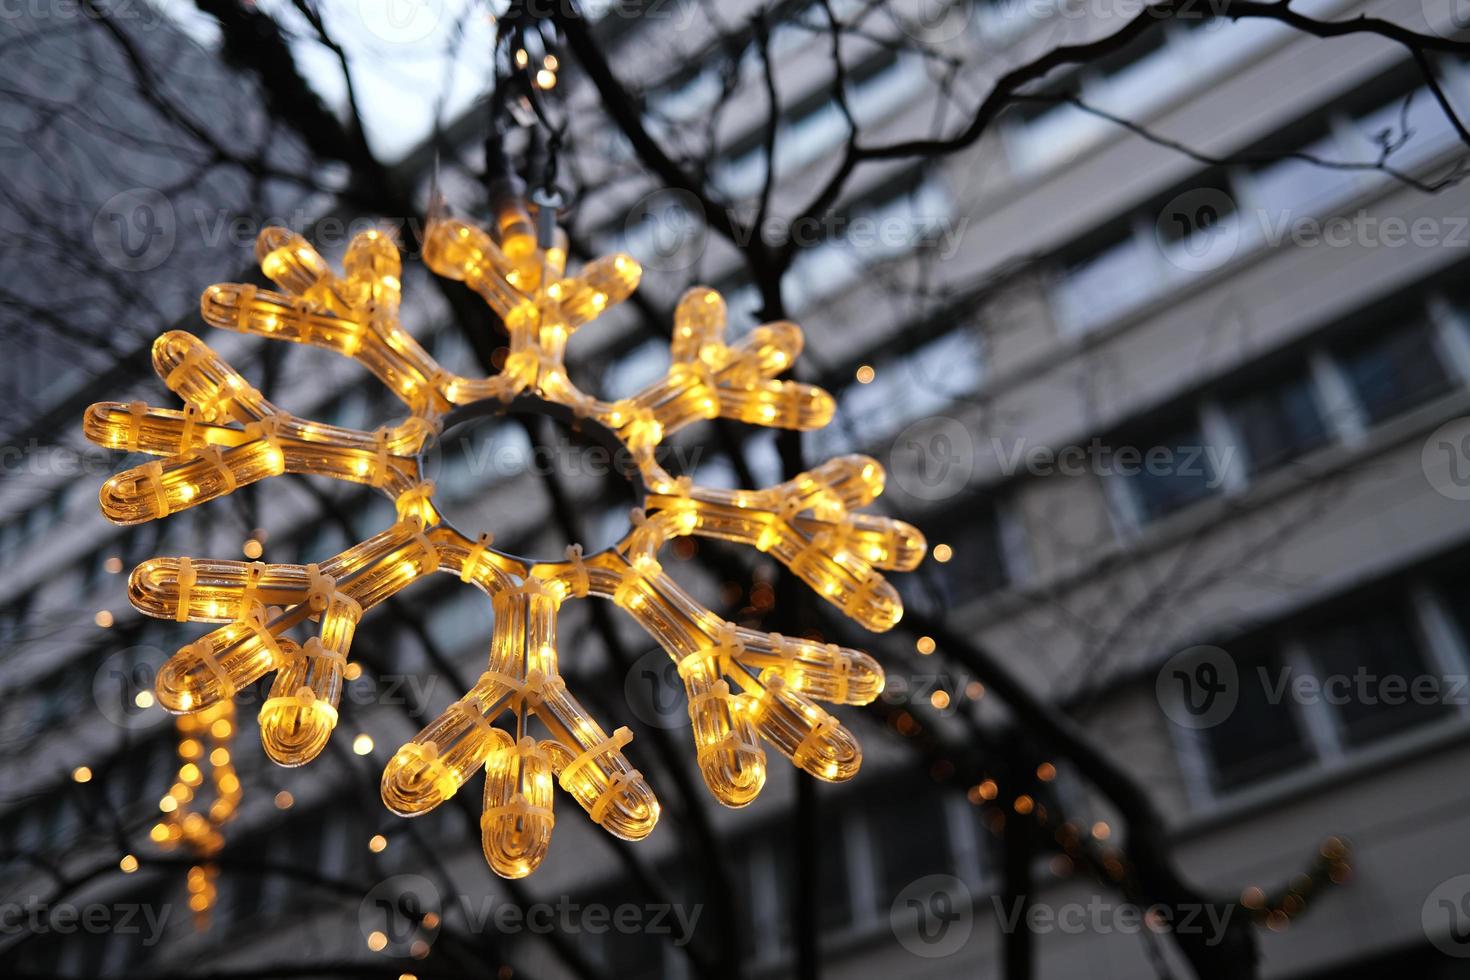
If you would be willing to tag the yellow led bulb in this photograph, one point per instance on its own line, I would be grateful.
(826, 672)
(216, 666)
(439, 760)
(301, 712)
(591, 766)
(288, 260)
(727, 746)
(516, 825)
(803, 732)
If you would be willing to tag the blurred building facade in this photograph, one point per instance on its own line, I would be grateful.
(1286, 338)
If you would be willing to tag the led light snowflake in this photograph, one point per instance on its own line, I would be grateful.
(742, 685)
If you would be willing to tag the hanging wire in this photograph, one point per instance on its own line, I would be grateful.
(525, 59)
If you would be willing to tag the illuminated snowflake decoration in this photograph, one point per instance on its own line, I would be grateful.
(742, 685)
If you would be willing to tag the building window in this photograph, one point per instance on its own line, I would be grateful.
(1168, 474)
(1292, 185)
(978, 563)
(1105, 281)
(903, 388)
(834, 911)
(1368, 661)
(1394, 370)
(1277, 420)
(1260, 737)
(911, 837)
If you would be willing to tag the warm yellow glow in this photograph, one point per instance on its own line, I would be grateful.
(82, 774)
(103, 618)
(925, 645)
(744, 688)
(377, 843)
(143, 699)
(943, 553)
(865, 374)
(377, 941)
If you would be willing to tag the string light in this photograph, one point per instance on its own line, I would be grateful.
(81, 774)
(204, 750)
(943, 553)
(743, 686)
(865, 374)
